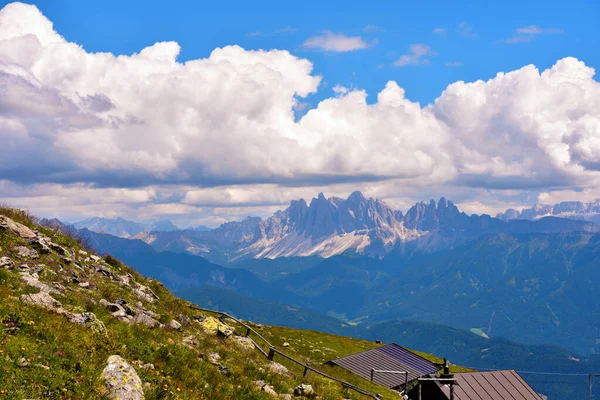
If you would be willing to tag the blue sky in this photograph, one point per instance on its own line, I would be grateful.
(124, 27)
(147, 109)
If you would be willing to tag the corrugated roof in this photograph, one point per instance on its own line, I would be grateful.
(390, 358)
(491, 385)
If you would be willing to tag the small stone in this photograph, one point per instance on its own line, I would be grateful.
(22, 362)
(285, 396)
(286, 344)
(213, 358)
(174, 325)
(304, 390)
(83, 253)
(84, 285)
(6, 262)
(121, 380)
(224, 370)
(47, 368)
(278, 368)
(269, 390)
(95, 258)
(190, 341)
(185, 320)
(244, 342)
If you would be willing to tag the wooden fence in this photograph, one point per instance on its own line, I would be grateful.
(274, 351)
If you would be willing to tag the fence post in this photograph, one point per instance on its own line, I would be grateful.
(271, 353)
(247, 332)
(306, 370)
(372, 374)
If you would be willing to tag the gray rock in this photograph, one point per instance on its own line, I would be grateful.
(144, 293)
(121, 380)
(58, 248)
(42, 299)
(304, 390)
(269, 390)
(146, 320)
(16, 228)
(174, 325)
(278, 368)
(27, 252)
(185, 320)
(22, 362)
(285, 396)
(190, 341)
(89, 320)
(213, 358)
(32, 280)
(243, 342)
(6, 262)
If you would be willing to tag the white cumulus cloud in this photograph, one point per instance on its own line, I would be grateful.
(159, 135)
(336, 42)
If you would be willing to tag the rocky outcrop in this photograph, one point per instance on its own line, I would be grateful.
(16, 228)
(121, 380)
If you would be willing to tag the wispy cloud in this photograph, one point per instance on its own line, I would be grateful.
(336, 42)
(371, 28)
(440, 31)
(537, 30)
(529, 33)
(454, 64)
(284, 30)
(287, 29)
(418, 54)
(466, 30)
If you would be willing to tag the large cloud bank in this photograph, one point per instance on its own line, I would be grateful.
(70, 117)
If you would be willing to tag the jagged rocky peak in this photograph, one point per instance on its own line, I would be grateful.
(428, 216)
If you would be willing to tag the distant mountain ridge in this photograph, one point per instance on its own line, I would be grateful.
(566, 209)
(357, 225)
(124, 228)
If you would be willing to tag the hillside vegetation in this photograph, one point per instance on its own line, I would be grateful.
(65, 311)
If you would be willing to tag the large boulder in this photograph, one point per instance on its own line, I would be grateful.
(121, 380)
(16, 228)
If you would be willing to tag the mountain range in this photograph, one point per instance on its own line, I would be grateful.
(121, 227)
(332, 226)
(566, 209)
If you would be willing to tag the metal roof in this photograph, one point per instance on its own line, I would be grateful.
(491, 385)
(390, 358)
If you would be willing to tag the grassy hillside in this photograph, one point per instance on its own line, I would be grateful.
(58, 348)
